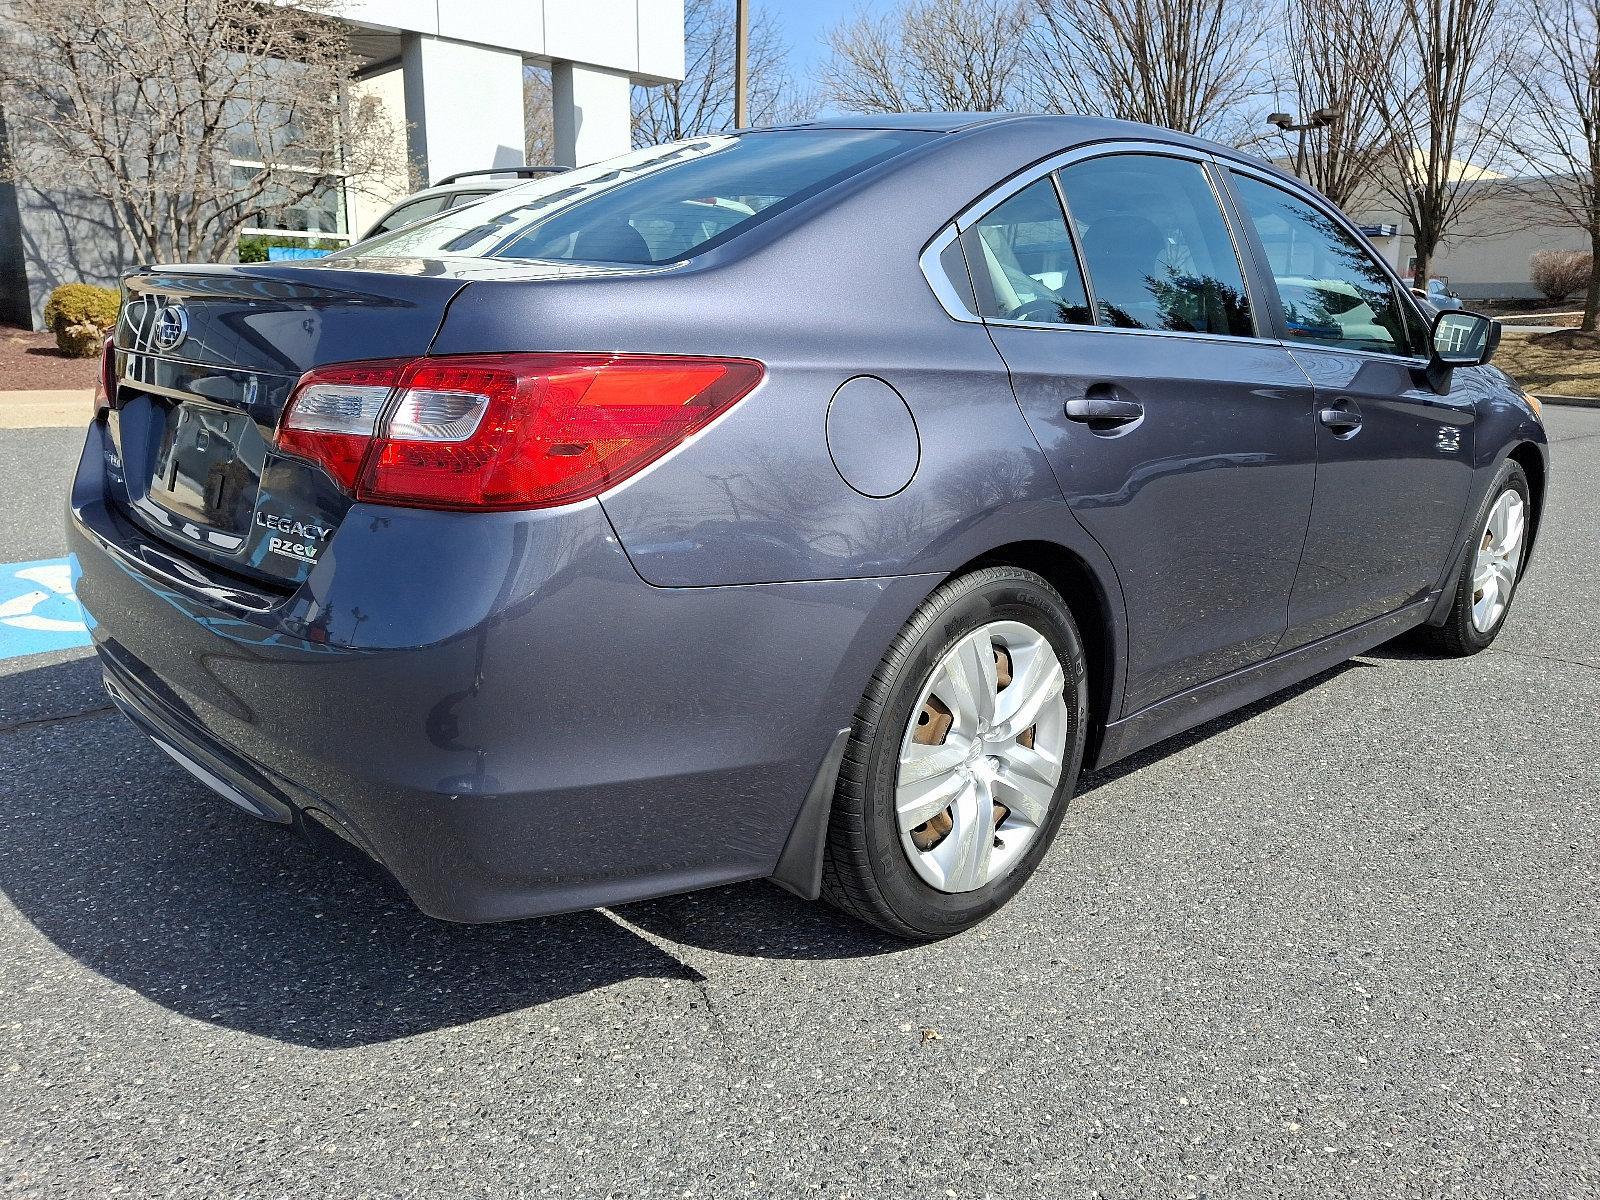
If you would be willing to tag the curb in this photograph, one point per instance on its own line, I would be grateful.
(1570, 401)
(64, 408)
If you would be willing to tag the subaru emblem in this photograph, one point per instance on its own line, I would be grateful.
(172, 326)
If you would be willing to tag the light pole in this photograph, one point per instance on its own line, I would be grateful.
(741, 64)
(1320, 119)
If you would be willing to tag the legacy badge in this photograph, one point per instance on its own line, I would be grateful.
(299, 540)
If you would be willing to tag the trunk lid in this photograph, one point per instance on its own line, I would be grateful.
(206, 358)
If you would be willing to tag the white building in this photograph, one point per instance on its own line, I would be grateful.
(451, 72)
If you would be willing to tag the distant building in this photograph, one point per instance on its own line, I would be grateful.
(451, 71)
(1485, 256)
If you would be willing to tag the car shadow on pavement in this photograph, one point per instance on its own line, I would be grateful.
(733, 920)
(145, 877)
(1182, 741)
(138, 872)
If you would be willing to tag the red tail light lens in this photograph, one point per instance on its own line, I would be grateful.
(105, 380)
(501, 431)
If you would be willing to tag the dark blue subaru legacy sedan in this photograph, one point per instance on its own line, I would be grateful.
(808, 503)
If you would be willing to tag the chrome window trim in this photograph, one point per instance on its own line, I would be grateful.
(1004, 191)
(1233, 339)
(1408, 360)
(1293, 187)
(945, 292)
(951, 301)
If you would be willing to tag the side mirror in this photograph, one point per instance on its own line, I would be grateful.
(1460, 339)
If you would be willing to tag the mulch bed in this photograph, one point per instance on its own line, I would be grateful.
(30, 361)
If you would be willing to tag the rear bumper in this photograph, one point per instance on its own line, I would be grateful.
(495, 708)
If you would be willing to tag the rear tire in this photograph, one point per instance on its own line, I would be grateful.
(1490, 572)
(1008, 780)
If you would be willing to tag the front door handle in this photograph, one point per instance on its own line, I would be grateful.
(1342, 418)
(1103, 411)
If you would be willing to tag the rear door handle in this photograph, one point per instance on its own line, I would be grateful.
(1342, 417)
(1104, 411)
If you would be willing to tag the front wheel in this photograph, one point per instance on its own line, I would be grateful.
(1492, 569)
(961, 758)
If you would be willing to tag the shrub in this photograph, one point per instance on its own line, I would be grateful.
(253, 249)
(80, 315)
(1559, 274)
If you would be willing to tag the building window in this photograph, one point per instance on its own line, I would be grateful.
(318, 215)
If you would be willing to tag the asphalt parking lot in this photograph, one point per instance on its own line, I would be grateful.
(1344, 944)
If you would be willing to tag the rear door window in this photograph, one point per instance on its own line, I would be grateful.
(415, 211)
(1023, 264)
(658, 205)
(1156, 246)
(1333, 291)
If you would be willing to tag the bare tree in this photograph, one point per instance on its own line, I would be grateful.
(703, 102)
(930, 55)
(188, 119)
(538, 117)
(1557, 130)
(1330, 54)
(1186, 64)
(1442, 100)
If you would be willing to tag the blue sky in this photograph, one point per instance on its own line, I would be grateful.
(804, 23)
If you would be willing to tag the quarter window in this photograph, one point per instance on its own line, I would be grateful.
(1332, 290)
(1022, 262)
(1156, 246)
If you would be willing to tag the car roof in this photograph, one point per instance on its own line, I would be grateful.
(450, 189)
(940, 122)
(1066, 129)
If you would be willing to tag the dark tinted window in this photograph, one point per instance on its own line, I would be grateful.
(414, 211)
(653, 206)
(460, 198)
(1022, 261)
(1332, 289)
(1155, 245)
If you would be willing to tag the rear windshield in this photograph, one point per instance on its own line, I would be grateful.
(658, 205)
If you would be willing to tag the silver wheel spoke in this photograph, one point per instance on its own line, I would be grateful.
(971, 674)
(971, 842)
(1512, 536)
(1505, 576)
(1027, 783)
(928, 784)
(1036, 687)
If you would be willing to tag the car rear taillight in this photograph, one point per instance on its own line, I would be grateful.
(498, 431)
(105, 380)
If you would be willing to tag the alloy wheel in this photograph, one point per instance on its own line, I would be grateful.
(982, 757)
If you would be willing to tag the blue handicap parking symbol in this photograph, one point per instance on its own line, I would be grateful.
(38, 610)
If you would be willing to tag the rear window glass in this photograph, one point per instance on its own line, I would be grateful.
(658, 205)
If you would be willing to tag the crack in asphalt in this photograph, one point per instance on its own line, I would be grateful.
(1571, 662)
(83, 714)
(685, 970)
(701, 985)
